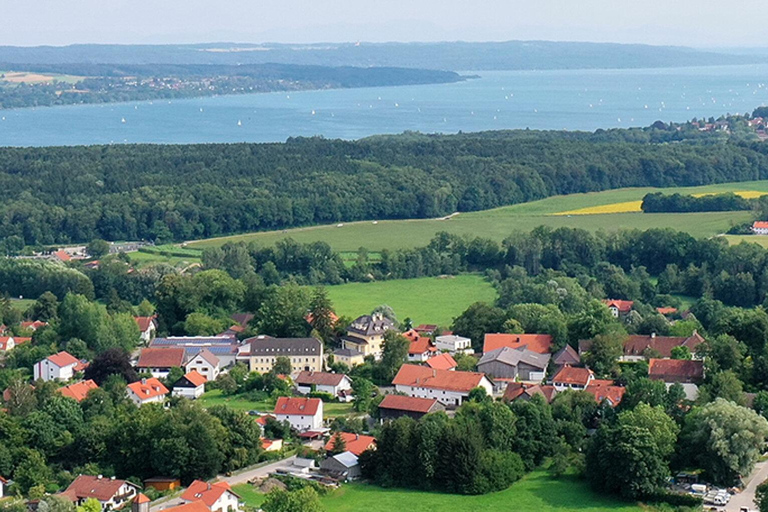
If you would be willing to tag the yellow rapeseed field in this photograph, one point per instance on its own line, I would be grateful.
(626, 207)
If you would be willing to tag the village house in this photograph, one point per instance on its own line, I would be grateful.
(566, 356)
(425, 329)
(271, 445)
(159, 361)
(540, 343)
(619, 308)
(79, 390)
(147, 391)
(454, 344)
(226, 348)
(520, 363)
(395, 406)
(147, 327)
(421, 347)
(305, 354)
(217, 497)
(442, 361)
(7, 343)
(687, 373)
(760, 227)
(111, 493)
(639, 347)
(366, 334)
(524, 391)
(302, 414)
(337, 385)
(606, 391)
(191, 385)
(355, 443)
(62, 366)
(348, 356)
(205, 363)
(571, 377)
(33, 325)
(451, 388)
(342, 466)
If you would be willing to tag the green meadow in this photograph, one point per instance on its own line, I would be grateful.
(500, 222)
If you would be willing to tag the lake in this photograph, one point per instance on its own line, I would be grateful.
(568, 99)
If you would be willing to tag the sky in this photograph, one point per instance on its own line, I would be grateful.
(697, 23)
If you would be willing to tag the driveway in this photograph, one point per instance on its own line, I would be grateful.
(237, 478)
(746, 498)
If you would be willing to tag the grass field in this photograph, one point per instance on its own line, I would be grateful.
(250, 496)
(427, 300)
(537, 492)
(754, 239)
(500, 222)
(19, 77)
(21, 304)
(211, 398)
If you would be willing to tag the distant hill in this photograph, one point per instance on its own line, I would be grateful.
(508, 55)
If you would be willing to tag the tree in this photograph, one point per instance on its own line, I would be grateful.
(478, 394)
(724, 439)
(644, 390)
(97, 248)
(55, 504)
(478, 319)
(31, 470)
(761, 496)
(114, 361)
(626, 460)
(45, 308)
(663, 429)
(394, 354)
(681, 352)
(282, 366)
(362, 389)
(605, 351)
(145, 308)
(321, 312)
(300, 500)
(338, 445)
(90, 505)
(724, 385)
(200, 324)
(21, 398)
(282, 312)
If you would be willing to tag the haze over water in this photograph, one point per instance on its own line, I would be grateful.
(572, 100)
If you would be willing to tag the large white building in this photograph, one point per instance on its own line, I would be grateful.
(450, 388)
(301, 413)
(61, 366)
(453, 344)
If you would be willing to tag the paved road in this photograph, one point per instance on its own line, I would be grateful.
(746, 497)
(236, 479)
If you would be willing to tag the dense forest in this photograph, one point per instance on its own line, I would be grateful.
(75, 194)
(105, 83)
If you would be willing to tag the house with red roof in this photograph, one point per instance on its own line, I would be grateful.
(525, 391)
(191, 385)
(302, 414)
(687, 373)
(206, 363)
(421, 347)
(217, 497)
(61, 366)
(111, 493)
(335, 384)
(159, 361)
(606, 391)
(192, 506)
(760, 227)
(33, 325)
(147, 391)
(79, 390)
(355, 443)
(7, 343)
(571, 377)
(540, 343)
(451, 388)
(619, 308)
(639, 347)
(442, 361)
(61, 255)
(147, 327)
(395, 406)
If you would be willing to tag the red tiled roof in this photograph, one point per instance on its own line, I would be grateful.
(161, 357)
(33, 325)
(355, 443)
(572, 375)
(63, 359)
(443, 361)
(637, 344)
(423, 377)
(141, 498)
(622, 305)
(675, 370)
(4, 342)
(541, 343)
(606, 390)
(517, 389)
(425, 328)
(334, 318)
(62, 255)
(408, 403)
(666, 311)
(294, 406)
(78, 390)
(320, 378)
(144, 322)
(148, 388)
(194, 506)
(20, 340)
(421, 344)
(760, 224)
(262, 420)
(205, 492)
(87, 486)
(195, 378)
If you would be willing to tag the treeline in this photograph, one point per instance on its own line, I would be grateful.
(132, 192)
(657, 202)
(107, 83)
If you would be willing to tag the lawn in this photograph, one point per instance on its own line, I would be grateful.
(754, 239)
(250, 496)
(537, 492)
(500, 222)
(211, 398)
(21, 304)
(143, 259)
(432, 300)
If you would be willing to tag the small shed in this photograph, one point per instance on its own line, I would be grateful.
(342, 466)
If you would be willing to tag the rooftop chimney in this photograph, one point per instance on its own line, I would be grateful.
(99, 477)
(144, 381)
(653, 335)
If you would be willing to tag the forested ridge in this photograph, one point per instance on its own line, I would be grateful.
(75, 194)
